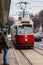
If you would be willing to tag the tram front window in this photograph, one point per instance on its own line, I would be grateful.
(25, 30)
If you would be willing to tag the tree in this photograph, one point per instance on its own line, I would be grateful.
(38, 20)
(10, 22)
(41, 18)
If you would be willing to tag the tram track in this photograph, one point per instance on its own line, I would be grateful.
(32, 57)
(28, 57)
(38, 50)
(21, 58)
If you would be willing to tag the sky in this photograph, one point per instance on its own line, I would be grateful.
(34, 6)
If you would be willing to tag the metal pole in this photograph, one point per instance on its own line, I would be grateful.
(23, 13)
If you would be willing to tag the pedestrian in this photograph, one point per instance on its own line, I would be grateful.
(4, 47)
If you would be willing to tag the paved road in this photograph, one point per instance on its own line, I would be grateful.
(11, 58)
(39, 44)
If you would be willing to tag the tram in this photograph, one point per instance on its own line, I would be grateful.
(22, 33)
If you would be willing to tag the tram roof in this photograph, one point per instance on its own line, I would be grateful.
(27, 21)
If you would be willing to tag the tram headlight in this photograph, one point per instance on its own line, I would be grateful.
(25, 39)
(20, 24)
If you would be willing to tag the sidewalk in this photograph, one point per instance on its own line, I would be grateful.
(11, 58)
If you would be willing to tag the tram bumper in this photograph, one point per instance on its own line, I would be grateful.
(31, 44)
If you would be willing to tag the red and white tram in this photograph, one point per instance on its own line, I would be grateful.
(22, 34)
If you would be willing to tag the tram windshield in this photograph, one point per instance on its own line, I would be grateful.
(25, 30)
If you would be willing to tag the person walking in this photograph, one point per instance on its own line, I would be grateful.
(5, 49)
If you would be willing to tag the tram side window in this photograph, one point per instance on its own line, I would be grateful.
(13, 30)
